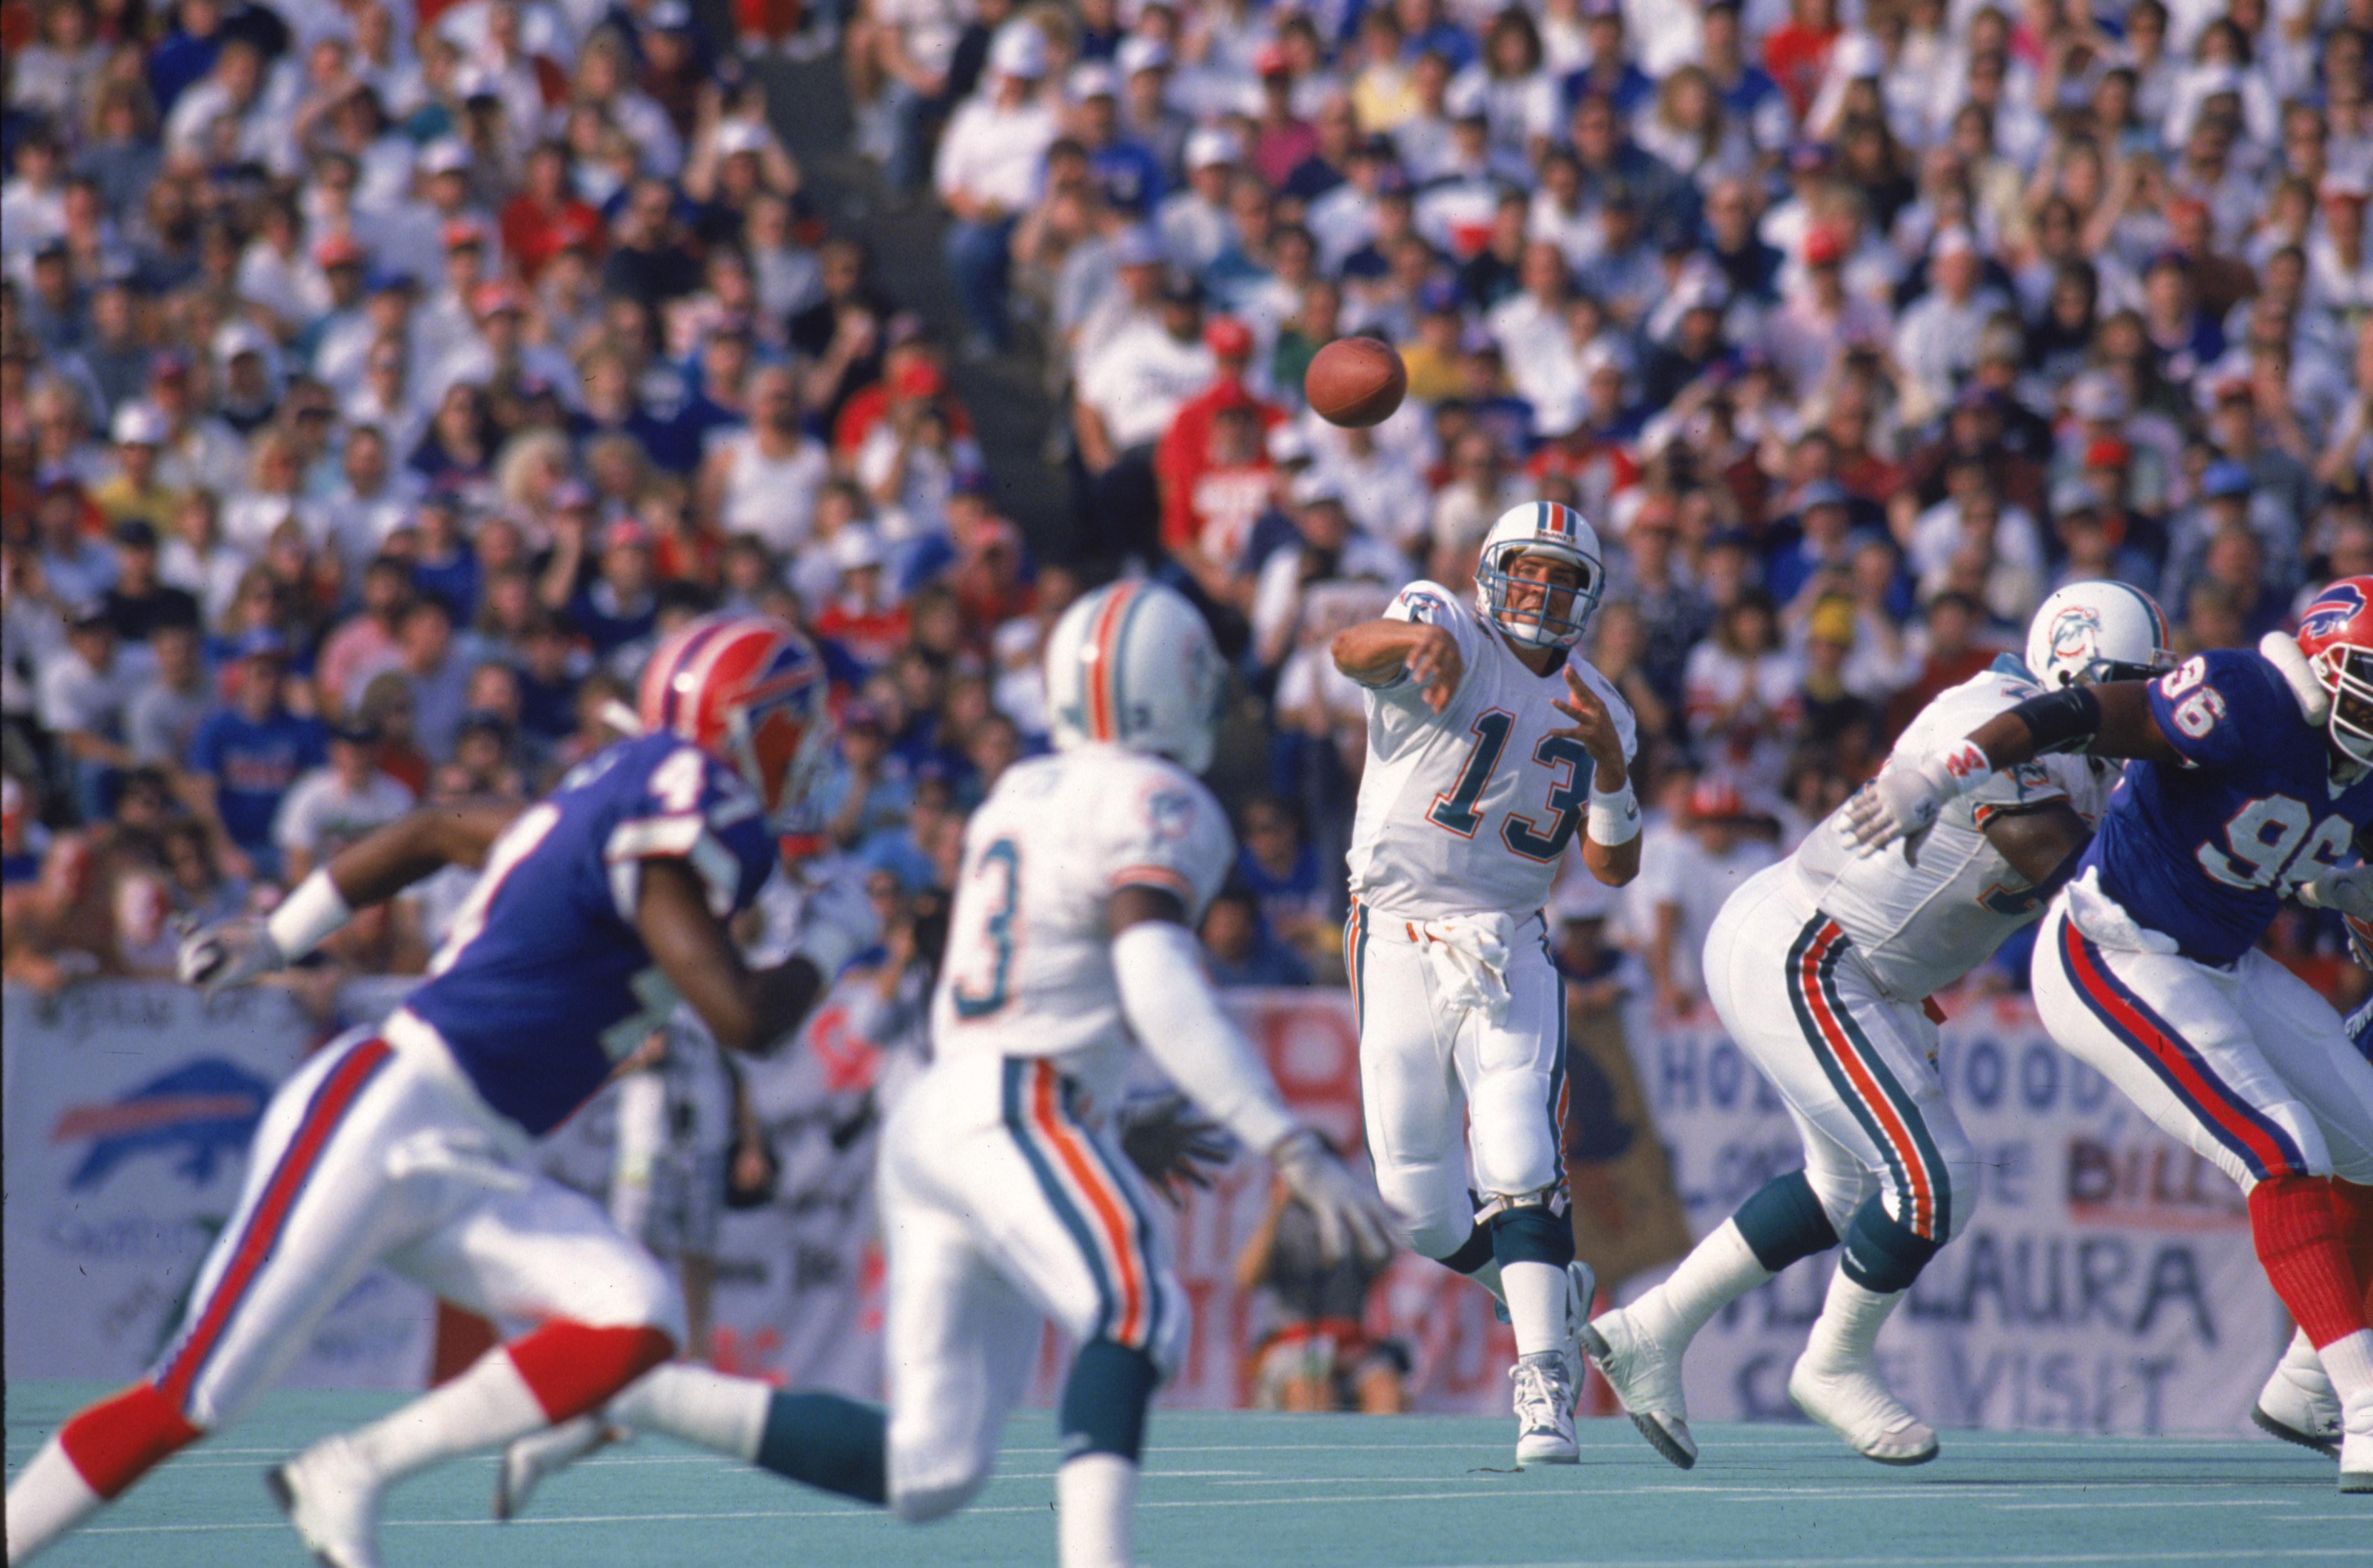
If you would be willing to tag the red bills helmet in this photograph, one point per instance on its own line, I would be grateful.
(750, 691)
(2336, 635)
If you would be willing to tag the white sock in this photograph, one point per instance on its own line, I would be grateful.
(47, 1498)
(1536, 1306)
(1846, 1333)
(712, 1409)
(2348, 1362)
(1095, 1495)
(1717, 1271)
(487, 1405)
(641, 1135)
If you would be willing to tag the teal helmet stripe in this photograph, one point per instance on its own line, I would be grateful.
(1113, 691)
(2150, 608)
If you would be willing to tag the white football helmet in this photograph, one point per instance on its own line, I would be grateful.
(1540, 527)
(1133, 665)
(2089, 633)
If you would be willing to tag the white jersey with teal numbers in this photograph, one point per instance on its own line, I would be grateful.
(1468, 810)
(1029, 970)
(1922, 927)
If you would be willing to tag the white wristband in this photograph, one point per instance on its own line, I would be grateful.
(1614, 817)
(313, 908)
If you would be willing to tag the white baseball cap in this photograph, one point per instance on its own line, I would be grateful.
(1209, 147)
(139, 423)
(1020, 51)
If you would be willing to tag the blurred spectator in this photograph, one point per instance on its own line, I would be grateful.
(248, 752)
(1239, 947)
(1698, 872)
(86, 689)
(337, 803)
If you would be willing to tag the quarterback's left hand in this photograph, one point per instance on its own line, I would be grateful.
(2350, 892)
(1905, 800)
(1591, 724)
(1173, 1144)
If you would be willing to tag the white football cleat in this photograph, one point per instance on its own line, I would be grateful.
(1647, 1382)
(529, 1460)
(1544, 1401)
(1853, 1403)
(2356, 1461)
(2297, 1404)
(331, 1498)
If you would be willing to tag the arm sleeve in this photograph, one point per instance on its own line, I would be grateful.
(1176, 1017)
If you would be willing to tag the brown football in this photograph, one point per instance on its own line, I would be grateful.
(1355, 382)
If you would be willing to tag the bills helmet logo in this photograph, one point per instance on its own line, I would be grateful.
(197, 1115)
(2331, 613)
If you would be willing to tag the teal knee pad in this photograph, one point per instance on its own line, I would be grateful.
(1530, 1234)
(830, 1443)
(1881, 1254)
(1104, 1400)
(1782, 1220)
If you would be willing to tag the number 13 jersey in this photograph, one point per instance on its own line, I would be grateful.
(1028, 969)
(1470, 809)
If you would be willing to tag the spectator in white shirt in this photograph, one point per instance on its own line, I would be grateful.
(334, 805)
(85, 690)
(1128, 392)
(989, 173)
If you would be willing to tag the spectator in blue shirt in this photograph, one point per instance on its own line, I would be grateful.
(248, 752)
(1240, 947)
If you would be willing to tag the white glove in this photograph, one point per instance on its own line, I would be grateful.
(1903, 801)
(2350, 892)
(230, 952)
(1351, 1216)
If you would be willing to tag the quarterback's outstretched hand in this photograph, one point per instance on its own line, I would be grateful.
(1172, 1144)
(1435, 664)
(1351, 1216)
(2350, 892)
(230, 952)
(1591, 725)
(1905, 800)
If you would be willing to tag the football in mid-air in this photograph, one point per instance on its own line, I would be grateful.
(1355, 382)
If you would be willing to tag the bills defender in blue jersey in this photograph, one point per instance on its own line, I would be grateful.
(2251, 782)
(409, 1145)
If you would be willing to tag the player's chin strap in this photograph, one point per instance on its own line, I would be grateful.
(2282, 650)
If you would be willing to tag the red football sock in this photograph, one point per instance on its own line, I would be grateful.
(571, 1367)
(2355, 1204)
(2298, 1224)
(117, 1441)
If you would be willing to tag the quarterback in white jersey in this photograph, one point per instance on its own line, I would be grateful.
(1006, 1198)
(1489, 745)
(1821, 967)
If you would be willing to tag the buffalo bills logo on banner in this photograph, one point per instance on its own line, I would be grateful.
(196, 1115)
(2338, 605)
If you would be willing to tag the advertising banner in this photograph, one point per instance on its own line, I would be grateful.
(2107, 1282)
(128, 1110)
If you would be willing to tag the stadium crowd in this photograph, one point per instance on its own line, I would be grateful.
(378, 384)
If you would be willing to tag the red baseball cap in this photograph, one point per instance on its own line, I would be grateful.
(1228, 338)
